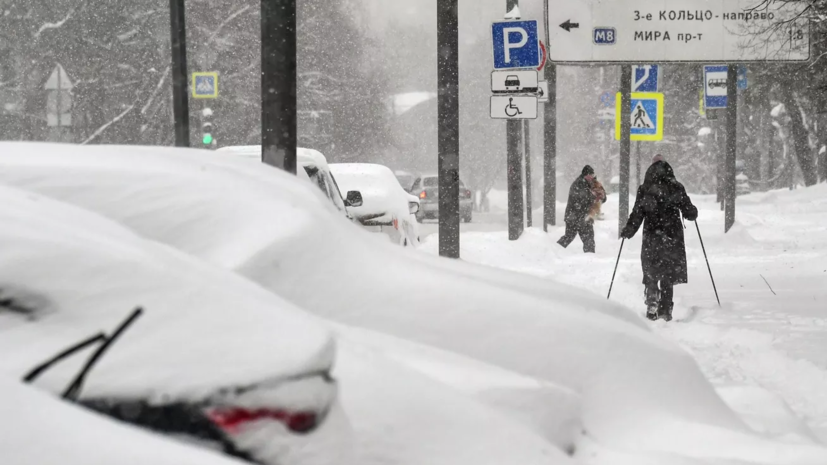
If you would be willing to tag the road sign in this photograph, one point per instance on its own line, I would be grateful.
(633, 31)
(542, 92)
(715, 78)
(742, 78)
(645, 78)
(204, 85)
(59, 99)
(606, 99)
(647, 116)
(516, 44)
(513, 107)
(514, 82)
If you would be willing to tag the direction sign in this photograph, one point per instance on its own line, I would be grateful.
(514, 82)
(513, 107)
(205, 85)
(715, 84)
(632, 31)
(647, 116)
(645, 78)
(516, 44)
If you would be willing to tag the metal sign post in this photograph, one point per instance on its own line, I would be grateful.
(731, 146)
(448, 131)
(278, 84)
(625, 115)
(180, 101)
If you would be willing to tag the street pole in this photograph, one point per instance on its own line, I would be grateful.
(625, 143)
(516, 215)
(180, 97)
(278, 84)
(550, 144)
(731, 145)
(637, 144)
(448, 131)
(528, 196)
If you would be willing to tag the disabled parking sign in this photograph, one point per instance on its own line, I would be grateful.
(647, 116)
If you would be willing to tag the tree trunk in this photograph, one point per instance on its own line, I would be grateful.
(801, 138)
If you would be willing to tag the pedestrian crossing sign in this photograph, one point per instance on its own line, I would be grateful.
(647, 116)
(205, 85)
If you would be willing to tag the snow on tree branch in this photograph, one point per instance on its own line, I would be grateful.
(48, 26)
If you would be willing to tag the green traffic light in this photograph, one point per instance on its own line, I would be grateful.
(207, 139)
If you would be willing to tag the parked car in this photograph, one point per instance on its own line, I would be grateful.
(405, 179)
(386, 207)
(314, 168)
(427, 189)
(180, 348)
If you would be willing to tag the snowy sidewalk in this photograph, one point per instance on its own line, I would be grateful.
(766, 348)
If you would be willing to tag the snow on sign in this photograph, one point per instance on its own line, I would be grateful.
(513, 107)
(635, 31)
(205, 85)
(715, 86)
(516, 44)
(647, 116)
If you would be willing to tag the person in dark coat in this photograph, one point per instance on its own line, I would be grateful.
(581, 199)
(661, 201)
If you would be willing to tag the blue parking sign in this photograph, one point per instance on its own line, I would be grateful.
(516, 44)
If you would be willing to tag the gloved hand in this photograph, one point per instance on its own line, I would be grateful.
(627, 233)
(691, 213)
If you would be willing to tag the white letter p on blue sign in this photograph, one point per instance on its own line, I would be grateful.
(516, 44)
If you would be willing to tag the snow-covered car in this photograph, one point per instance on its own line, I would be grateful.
(180, 347)
(38, 428)
(315, 169)
(386, 207)
(427, 189)
(405, 179)
(640, 396)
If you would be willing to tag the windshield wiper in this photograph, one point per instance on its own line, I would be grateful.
(72, 391)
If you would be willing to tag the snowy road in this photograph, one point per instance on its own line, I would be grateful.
(766, 348)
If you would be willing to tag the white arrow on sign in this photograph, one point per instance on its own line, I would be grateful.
(647, 69)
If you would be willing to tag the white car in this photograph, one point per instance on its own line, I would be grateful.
(386, 207)
(315, 169)
(179, 347)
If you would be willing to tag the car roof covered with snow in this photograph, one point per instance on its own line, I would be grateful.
(70, 274)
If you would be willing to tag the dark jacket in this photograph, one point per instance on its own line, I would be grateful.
(660, 202)
(581, 198)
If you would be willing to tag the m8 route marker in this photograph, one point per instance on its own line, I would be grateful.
(661, 31)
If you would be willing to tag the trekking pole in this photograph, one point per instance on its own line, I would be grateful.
(707, 263)
(615, 272)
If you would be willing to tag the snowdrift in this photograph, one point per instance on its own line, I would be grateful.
(638, 391)
(39, 429)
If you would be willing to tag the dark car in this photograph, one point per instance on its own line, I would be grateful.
(427, 189)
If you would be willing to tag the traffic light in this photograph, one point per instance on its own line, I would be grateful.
(206, 128)
(206, 134)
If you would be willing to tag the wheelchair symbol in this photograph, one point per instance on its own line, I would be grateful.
(512, 110)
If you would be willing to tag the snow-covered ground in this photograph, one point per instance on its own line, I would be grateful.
(616, 392)
(765, 350)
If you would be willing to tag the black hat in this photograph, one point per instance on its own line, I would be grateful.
(587, 170)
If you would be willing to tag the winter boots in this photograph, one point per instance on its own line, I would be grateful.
(656, 304)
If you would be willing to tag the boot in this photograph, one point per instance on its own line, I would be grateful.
(665, 311)
(652, 298)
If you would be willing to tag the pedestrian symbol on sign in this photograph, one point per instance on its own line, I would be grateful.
(205, 85)
(641, 118)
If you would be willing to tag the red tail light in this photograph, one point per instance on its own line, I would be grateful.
(232, 420)
(423, 195)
